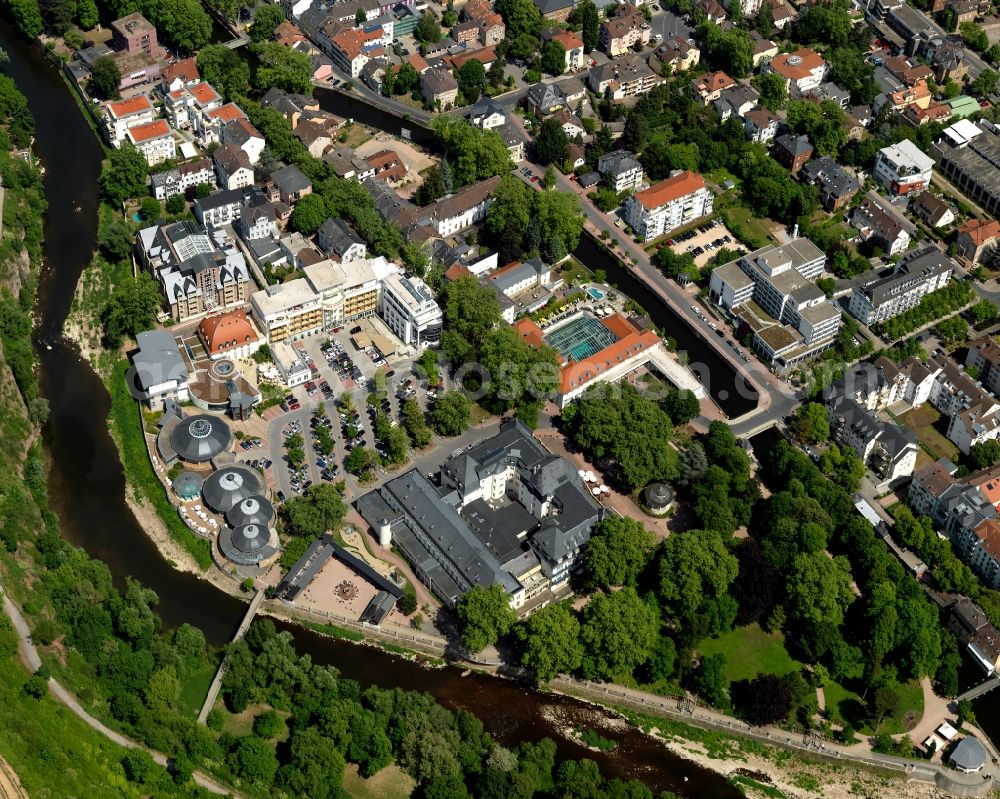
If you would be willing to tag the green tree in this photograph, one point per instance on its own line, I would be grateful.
(965, 712)
(281, 67)
(773, 91)
(150, 209)
(320, 509)
(471, 78)
(551, 642)
(428, 29)
(451, 413)
(710, 680)
(983, 313)
(985, 454)
(225, 69)
(485, 615)
(105, 79)
(176, 204)
(618, 632)
(131, 308)
(254, 760)
(554, 57)
(819, 589)
(974, 36)
(586, 15)
(952, 330)
(266, 19)
(86, 14)
(551, 143)
(521, 17)
(617, 551)
(822, 122)
(125, 175)
(696, 571)
(315, 766)
(309, 214)
(27, 17)
(115, 238)
(267, 724)
(811, 425)
(359, 460)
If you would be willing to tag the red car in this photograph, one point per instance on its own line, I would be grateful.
(535, 178)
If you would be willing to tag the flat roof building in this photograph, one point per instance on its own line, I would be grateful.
(410, 311)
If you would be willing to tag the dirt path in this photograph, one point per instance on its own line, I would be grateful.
(31, 659)
(10, 785)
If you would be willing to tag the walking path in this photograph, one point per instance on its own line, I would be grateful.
(31, 659)
(216, 686)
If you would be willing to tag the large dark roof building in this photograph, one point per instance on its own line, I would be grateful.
(506, 511)
(200, 438)
(228, 487)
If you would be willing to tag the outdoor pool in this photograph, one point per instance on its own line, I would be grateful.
(580, 338)
(597, 294)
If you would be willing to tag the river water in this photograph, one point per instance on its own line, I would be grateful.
(87, 488)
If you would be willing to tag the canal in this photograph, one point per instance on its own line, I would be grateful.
(87, 489)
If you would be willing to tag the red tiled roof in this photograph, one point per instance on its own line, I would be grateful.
(797, 65)
(227, 112)
(418, 62)
(455, 271)
(151, 130)
(567, 39)
(133, 105)
(204, 93)
(186, 69)
(679, 185)
(225, 332)
(980, 231)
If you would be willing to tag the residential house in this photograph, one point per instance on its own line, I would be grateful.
(763, 48)
(918, 274)
(388, 166)
(836, 185)
(906, 71)
(792, 151)
(949, 62)
(677, 53)
(748, 8)
(713, 11)
(491, 29)
(555, 10)
(880, 223)
(573, 45)
(291, 184)
(965, 10)
(513, 139)
(803, 70)
(291, 106)
(258, 222)
(154, 140)
(232, 167)
(487, 115)
(315, 136)
(288, 34)
(735, 102)
(135, 34)
(120, 115)
(760, 124)
(373, 74)
(461, 210)
(466, 34)
(181, 73)
(439, 88)
(888, 450)
(708, 88)
(545, 98)
(935, 112)
(669, 204)
(919, 96)
(348, 165)
(621, 170)
(240, 133)
(181, 178)
(977, 238)
(338, 240)
(623, 31)
(572, 125)
(932, 210)
(903, 168)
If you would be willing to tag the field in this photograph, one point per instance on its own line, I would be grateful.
(927, 426)
(751, 651)
(390, 783)
(195, 689)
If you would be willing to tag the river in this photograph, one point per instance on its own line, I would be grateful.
(87, 488)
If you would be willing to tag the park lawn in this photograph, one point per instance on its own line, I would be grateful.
(195, 688)
(751, 651)
(356, 135)
(842, 705)
(390, 783)
(738, 216)
(924, 422)
(845, 706)
(574, 272)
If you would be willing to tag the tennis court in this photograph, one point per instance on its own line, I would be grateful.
(580, 338)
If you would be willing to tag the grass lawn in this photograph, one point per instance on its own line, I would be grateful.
(845, 706)
(195, 689)
(739, 217)
(574, 273)
(926, 424)
(390, 783)
(751, 651)
(356, 136)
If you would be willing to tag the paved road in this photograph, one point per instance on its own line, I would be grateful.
(31, 659)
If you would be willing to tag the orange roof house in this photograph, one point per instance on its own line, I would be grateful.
(227, 113)
(798, 65)
(185, 71)
(228, 334)
(151, 130)
(666, 191)
(133, 105)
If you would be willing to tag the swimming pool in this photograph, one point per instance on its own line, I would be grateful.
(597, 294)
(581, 337)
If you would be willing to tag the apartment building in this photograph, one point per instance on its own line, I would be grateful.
(233, 167)
(772, 291)
(409, 310)
(984, 355)
(240, 133)
(888, 451)
(627, 76)
(621, 170)
(154, 140)
(453, 214)
(903, 168)
(187, 107)
(668, 205)
(918, 274)
(287, 311)
(623, 31)
(120, 115)
(879, 222)
(836, 185)
(135, 34)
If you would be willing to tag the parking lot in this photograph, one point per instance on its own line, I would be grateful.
(704, 241)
